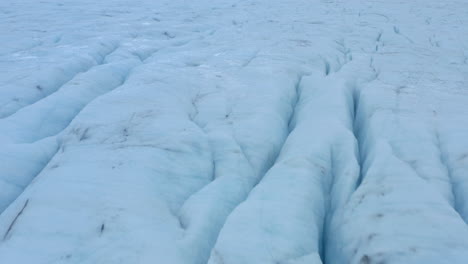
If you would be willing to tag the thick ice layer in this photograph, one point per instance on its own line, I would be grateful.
(233, 132)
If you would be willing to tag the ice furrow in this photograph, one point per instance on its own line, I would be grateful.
(230, 186)
(380, 206)
(443, 160)
(21, 163)
(43, 83)
(123, 172)
(49, 116)
(455, 168)
(292, 121)
(407, 131)
(346, 180)
(14, 220)
(292, 199)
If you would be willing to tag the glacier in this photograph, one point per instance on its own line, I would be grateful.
(234, 132)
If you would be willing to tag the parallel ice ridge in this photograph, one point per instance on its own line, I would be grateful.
(227, 132)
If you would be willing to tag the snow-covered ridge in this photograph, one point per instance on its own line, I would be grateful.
(228, 132)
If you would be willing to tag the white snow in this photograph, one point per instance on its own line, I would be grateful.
(233, 131)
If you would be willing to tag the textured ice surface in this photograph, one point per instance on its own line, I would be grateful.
(234, 132)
